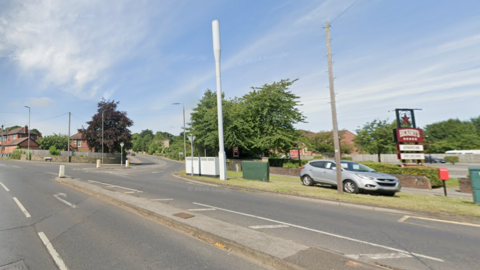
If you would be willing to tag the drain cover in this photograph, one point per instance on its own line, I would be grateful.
(183, 215)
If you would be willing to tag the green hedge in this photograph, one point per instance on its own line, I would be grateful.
(429, 172)
(277, 162)
(16, 154)
(347, 158)
(452, 159)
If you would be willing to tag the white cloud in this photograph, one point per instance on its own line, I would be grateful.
(70, 44)
(40, 102)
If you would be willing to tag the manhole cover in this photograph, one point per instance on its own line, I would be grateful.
(183, 215)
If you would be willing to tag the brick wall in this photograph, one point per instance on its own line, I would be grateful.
(414, 181)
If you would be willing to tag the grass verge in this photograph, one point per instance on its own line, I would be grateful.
(415, 202)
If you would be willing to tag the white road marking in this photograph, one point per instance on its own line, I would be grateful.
(21, 207)
(52, 173)
(446, 221)
(267, 227)
(202, 209)
(115, 186)
(64, 201)
(403, 218)
(168, 199)
(56, 257)
(4, 186)
(379, 256)
(15, 166)
(326, 233)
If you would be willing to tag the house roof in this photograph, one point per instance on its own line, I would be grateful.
(17, 131)
(77, 136)
(19, 141)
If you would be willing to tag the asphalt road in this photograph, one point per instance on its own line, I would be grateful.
(45, 225)
(384, 238)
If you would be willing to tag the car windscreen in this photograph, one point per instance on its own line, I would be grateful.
(356, 167)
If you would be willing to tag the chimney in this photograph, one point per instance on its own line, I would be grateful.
(25, 129)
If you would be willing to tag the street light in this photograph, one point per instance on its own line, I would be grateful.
(121, 154)
(184, 136)
(28, 140)
(191, 137)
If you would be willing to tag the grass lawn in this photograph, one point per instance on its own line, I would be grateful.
(415, 202)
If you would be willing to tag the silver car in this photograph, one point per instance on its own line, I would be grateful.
(356, 177)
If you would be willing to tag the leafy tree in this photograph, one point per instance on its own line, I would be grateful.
(53, 151)
(204, 122)
(115, 128)
(323, 142)
(452, 134)
(476, 122)
(34, 130)
(376, 137)
(141, 142)
(58, 140)
(271, 111)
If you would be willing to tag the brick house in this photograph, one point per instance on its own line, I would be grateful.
(78, 144)
(18, 137)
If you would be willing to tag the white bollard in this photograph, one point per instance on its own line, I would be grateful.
(61, 171)
(127, 163)
(98, 163)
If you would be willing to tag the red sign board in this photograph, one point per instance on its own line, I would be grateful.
(294, 153)
(403, 135)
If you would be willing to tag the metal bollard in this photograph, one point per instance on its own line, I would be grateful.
(61, 171)
(127, 163)
(99, 162)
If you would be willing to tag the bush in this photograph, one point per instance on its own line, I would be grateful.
(429, 172)
(53, 151)
(317, 157)
(277, 162)
(451, 159)
(347, 158)
(17, 154)
(291, 165)
(29, 156)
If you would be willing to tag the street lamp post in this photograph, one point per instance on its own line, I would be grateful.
(191, 137)
(121, 154)
(184, 136)
(28, 140)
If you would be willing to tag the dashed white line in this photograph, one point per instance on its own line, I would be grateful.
(267, 227)
(115, 186)
(21, 207)
(325, 233)
(167, 199)
(379, 256)
(16, 167)
(4, 186)
(56, 257)
(445, 221)
(202, 209)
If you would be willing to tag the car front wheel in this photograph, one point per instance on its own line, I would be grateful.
(307, 180)
(350, 186)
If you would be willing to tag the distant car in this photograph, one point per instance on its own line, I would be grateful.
(356, 177)
(131, 153)
(429, 159)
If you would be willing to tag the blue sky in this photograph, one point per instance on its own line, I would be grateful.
(61, 56)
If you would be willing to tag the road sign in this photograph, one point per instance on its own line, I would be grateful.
(411, 156)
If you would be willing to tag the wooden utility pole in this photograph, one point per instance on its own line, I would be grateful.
(336, 141)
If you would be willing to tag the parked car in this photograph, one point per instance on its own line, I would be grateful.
(356, 177)
(429, 159)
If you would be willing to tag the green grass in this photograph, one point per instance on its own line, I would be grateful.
(414, 202)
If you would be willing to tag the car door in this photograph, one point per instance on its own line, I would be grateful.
(317, 171)
(330, 173)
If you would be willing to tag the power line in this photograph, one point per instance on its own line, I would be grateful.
(51, 118)
(344, 11)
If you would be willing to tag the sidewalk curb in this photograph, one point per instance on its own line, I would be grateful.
(287, 249)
